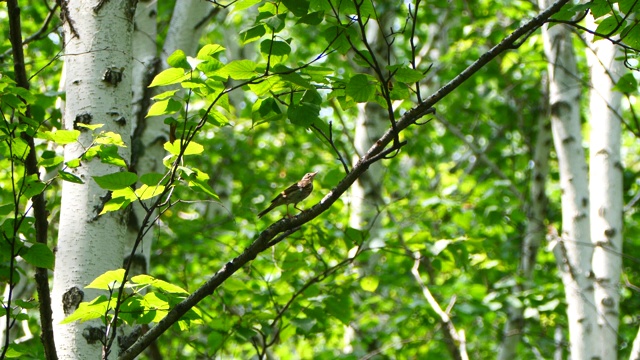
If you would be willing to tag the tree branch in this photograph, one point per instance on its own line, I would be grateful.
(31, 167)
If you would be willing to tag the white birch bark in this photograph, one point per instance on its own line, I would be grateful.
(365, 196)
(144, 159)
(186, 27)
(371, 123)
(98, 84)
(573, 246)
(605, 188)
(152, 133)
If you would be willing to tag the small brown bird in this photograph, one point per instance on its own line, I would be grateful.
(293, 194)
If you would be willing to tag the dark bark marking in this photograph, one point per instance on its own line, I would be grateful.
(84, 118)
(71, 299)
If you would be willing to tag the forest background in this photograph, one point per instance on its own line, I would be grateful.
(476, 197)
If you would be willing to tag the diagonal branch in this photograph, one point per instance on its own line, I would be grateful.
(288, 226)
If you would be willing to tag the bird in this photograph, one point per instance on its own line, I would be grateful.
(293, 194)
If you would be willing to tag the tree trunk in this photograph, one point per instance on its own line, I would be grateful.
(605, 188)
(572, 249)
(98, 84)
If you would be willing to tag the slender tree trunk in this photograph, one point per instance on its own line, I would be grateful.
(533, 236)
(371, 123)
(145, 157)
(605, 187)
(365, 197)
(98, 85)
(573, 248)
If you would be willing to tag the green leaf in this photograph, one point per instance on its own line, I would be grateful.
(361, 88)
(25, 94)
(314, 18)
(116, 181)
(39, 255)
(304, 325)
(627, 5)
(209, 50)
(631, 36)
(107, 281)
(164, 107)
(33, 186)
(275, 23)
(6, 209)
(252, 34)
(74, 163)
(197, 180)
(66, 176)
(369, 283)
(193, 148)
(109, 155)
(608, 25)
(159, 284)
(168, 77)
(165, 95)
(178, 60)
(152, 178)
(304, 114)
(110, 138)
(268, 85)
(147, 192)
(599, 8)
(296, 79)
(126, 193)
(297, 7)
(215, 340)
(339, 306)
(244, 4)
(239, 70)
(61, 137)
(363, 58)
(408, 76)
(51, 162)
(278, 51)
(217, 118)
(19, 148)
(627, 84)
(116, 203)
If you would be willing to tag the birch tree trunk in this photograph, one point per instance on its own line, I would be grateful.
(98, 85)
(365, 197)
(605, 188)
(371, 123)
(144, 156)
(150, 134)
(573, 250)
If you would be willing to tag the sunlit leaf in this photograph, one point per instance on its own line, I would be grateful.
(108, 280)
(168, 77)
